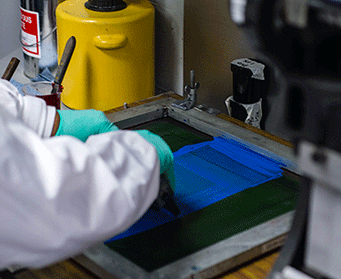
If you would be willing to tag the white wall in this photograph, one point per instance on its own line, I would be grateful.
(212, 41)
(169, 47)
(9, 26)
(197, 35)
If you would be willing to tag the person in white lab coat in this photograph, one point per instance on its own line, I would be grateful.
(60, 195)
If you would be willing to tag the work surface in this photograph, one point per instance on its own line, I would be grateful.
(257, 269)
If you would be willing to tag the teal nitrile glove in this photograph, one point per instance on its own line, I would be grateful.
(164, 153)
(83, 123)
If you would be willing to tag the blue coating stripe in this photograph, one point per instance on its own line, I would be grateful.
(209, 172)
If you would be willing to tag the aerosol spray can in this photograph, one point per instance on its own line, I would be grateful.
(38, 35)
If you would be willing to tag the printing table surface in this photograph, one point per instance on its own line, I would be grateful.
(258, 268)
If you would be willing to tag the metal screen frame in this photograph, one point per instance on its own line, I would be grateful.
(221, 256)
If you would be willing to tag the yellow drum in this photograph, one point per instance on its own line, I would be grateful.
(113, 62)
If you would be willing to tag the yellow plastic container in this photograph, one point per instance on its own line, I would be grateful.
(113, 62)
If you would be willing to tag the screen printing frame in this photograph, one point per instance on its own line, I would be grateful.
(219, 257)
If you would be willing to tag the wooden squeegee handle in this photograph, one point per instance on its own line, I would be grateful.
(65, 60)
(12, 66)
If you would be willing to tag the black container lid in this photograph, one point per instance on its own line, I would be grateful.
(105, 5)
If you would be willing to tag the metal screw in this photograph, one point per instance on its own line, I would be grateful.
(165, 111)
(194, 268)
(319, 157)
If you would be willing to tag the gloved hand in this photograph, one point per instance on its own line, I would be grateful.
(164, 153)
(83, 123)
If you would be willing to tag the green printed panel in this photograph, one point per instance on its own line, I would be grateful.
(175, 133)
(172, 241)
(162, 245)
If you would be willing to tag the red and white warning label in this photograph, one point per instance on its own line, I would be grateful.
(30, 33)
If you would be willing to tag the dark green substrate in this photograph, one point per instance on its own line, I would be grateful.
(164, 244)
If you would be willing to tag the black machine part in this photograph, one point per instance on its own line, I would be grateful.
(246, 88)
(238, 111)
(165, 198)
(301, 39)
(105, 5)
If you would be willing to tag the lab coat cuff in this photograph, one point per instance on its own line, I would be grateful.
(50, 117)
(38, 116)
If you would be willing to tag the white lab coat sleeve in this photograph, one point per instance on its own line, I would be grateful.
(32, 111)
(58, 196)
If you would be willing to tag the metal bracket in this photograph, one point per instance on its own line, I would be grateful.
(191, 90)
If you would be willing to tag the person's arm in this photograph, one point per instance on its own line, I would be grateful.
(32, 111)
(46, 121)
(59, 195)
